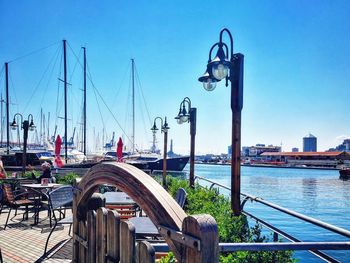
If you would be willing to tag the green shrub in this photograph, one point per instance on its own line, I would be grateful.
(67, 179)
(230, 229)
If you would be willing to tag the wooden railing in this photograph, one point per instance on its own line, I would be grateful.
(99, 234)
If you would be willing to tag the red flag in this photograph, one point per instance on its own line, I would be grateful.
(120, 150)
(58, 144)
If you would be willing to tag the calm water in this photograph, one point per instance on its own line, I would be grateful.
(316, 193)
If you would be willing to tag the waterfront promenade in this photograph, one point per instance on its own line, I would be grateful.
(23, 243)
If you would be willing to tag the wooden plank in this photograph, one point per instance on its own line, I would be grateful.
(145, 252)
(82, 235)
(113, 236)
(75, 256)
(101, 234)
(127, 242)
(91, 236)
(205, 229)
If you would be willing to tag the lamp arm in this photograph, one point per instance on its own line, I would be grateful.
(226, 47)
(187, 99)
(161, 120)
(18, 115)
(30, 117)
(211, 50)
(230, 36)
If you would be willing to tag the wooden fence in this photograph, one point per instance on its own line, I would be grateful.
(100, 235)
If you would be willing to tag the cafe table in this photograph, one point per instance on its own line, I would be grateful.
(41, 187)
(144, 227)
(118, 198)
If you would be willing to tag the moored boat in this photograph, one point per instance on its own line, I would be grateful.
(344, 173)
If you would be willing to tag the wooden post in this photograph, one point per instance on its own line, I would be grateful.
(113, 236)
(127, 242)
(83, 236)
(145, 253)
(205, 229)
(75, 257)
(165, 157)
(101, 236)
(236, 78)
(91, 236)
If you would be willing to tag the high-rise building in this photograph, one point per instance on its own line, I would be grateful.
(295, 149)
(310, 143)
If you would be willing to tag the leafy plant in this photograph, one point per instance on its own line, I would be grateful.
(67, 179)
(230, 229)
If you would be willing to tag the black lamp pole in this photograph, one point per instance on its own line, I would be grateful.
(25, 125)
(164, 128)
(231, 70)
(191, 117)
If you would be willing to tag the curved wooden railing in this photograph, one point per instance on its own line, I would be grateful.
(191, 238)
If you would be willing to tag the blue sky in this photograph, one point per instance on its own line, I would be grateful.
(297, 67)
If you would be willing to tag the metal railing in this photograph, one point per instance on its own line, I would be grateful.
(312, 247)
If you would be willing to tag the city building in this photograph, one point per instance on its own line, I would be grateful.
(300, 159)
(295, 150)
(309, 143)
(345, 146)
(258, 149)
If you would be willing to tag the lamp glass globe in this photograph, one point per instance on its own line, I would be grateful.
(184, 118)
(220, 71)
(209, 85)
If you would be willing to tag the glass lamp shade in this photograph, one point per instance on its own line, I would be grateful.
(32, 127)
(209, 85)
(14, 125)
(220, 71)
(179, 120)
(184, 118)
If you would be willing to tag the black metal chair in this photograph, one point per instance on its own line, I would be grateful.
(181, 196)
(59, 199)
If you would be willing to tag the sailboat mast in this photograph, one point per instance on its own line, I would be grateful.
(48, 127)
(84, 128)
(7, 109)
(133, 104)
(2, 122)
(41, 127)
(65, 98)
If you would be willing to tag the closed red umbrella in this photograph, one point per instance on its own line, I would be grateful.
(120, 150)
(58, 144)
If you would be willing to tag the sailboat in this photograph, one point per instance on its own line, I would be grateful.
(150, 160)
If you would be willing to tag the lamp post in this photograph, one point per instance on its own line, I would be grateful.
(189, 115)
(164, 129)
(229, 66)
(25, 125)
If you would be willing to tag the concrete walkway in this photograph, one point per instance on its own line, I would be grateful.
(21, 242)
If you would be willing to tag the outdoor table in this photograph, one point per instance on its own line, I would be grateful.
(118, 198)
(42, 187)
(144, 227)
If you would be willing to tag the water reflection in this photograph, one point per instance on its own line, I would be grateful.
(316, 193)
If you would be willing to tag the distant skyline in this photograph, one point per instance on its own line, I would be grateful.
(296, 75)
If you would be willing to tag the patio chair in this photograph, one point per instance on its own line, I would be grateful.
(59, 198)
(125, 211)
(181, 196)
(16, 201)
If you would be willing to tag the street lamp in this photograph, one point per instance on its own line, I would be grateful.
(164, 129)
(25, 125)
(229, 66)
(190, 116)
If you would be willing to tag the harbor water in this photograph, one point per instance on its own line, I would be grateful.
(316, 193)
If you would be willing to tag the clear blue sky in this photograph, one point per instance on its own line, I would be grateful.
(297, 67)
